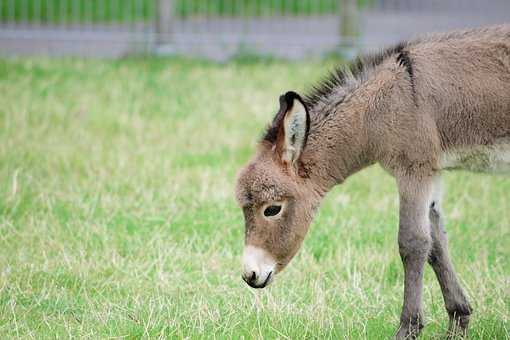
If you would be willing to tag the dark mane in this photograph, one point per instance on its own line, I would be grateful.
(404, 59)
(338, 76)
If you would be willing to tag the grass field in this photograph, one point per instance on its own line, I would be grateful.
(117, 216)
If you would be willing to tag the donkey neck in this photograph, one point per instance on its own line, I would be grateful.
(337, 144)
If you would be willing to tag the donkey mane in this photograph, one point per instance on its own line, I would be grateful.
(342, 75)
(345, 76)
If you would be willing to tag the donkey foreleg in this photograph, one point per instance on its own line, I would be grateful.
(455, 300)
(414, 240)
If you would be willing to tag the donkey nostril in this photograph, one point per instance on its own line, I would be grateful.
(250, 277)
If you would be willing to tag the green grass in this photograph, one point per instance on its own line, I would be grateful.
(117, 216)
(71, 11)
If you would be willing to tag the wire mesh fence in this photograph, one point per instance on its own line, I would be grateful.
(58, 11)
(221, 28)
(36, 12)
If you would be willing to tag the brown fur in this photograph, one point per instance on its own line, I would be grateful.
(405, 110)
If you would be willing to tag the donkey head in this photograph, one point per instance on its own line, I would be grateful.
(273, 192)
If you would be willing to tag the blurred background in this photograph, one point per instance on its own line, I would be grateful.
(219, 29)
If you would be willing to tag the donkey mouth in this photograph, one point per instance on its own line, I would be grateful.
(252, 281)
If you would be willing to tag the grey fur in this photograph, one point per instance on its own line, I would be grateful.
(448, 94)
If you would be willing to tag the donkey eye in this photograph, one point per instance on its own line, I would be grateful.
(272, 210)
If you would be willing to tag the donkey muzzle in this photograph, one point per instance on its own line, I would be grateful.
(258, 267)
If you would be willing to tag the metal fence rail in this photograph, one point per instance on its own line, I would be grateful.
(392, 20)
(221, 28)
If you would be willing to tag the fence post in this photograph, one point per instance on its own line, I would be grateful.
(164, 19)
(349, 26)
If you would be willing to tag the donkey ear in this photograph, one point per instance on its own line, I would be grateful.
(294, 127)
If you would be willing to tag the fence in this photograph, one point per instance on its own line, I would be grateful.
(392, 20)
(221, 28)
(76, 27)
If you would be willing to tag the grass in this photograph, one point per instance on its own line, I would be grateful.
(70, 11)
(117, 216)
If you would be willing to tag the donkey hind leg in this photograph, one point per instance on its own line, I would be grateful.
(455, 300)
(415, 243)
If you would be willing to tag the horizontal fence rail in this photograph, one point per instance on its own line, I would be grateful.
(222, 28)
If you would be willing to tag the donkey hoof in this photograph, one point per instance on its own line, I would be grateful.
(459, 322)
(458, 327)
(409, 331)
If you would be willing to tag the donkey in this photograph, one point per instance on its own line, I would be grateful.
(440, 102)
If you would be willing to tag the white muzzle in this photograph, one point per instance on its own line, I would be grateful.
(258, 267)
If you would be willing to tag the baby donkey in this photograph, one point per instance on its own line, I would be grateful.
(437, 103)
